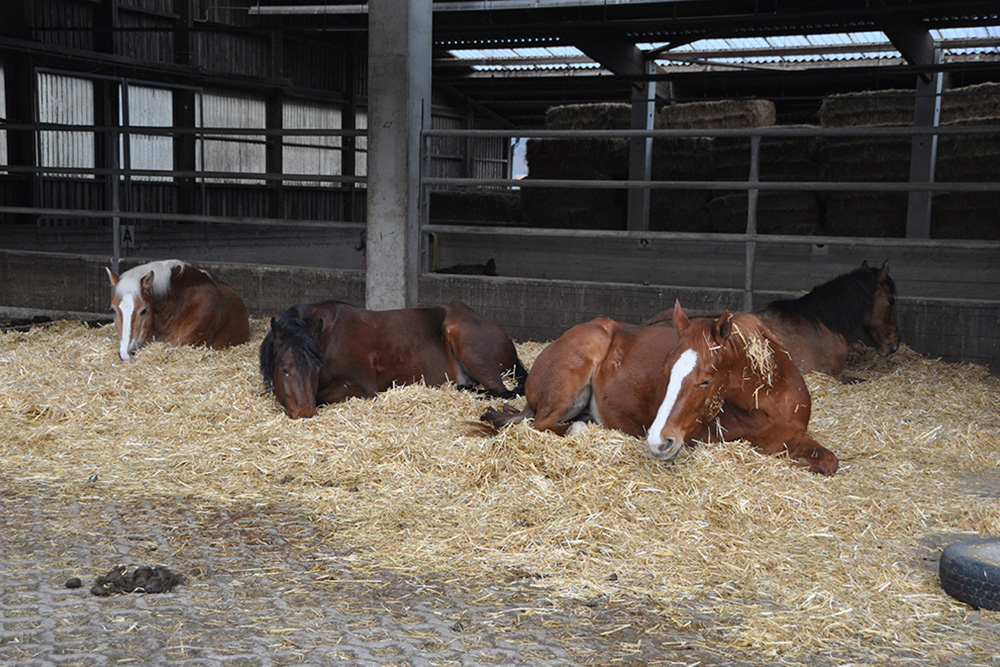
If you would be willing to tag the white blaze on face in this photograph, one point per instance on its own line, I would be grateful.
(127, 307)
(682, 368)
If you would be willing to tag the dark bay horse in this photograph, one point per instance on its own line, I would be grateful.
(327, 352)
(817, 328)
(176, 303)
(726, 378)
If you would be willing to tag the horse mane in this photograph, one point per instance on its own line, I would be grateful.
(129, 282)
(294, 336)
(839, 304)
(749, 337)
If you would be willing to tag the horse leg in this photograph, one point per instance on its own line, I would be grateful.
(772, 439)
(810, 454)
(341, 389)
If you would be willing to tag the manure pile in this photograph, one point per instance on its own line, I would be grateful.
(781, 562)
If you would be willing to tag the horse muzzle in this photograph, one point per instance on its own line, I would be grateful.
(664, 449)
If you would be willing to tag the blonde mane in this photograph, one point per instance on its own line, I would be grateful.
(128, 283)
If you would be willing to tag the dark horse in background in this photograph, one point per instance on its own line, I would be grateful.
(705, 379)
(174, 302)
(817, 328)
(322, 353)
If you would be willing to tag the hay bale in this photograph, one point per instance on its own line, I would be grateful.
(721, 114)
(476, 206)
(598, 159)
(607, 116)
(564, 208)
(970, 102)
(870, 214)
(793, 213)
(970, 158)
(868, 109)
(781, 158)
(678, 210)
(866, 159)
(966, 215)
(682, 158)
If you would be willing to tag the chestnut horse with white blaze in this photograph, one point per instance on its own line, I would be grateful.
(174, 302)
(322, 353)
(727, 378)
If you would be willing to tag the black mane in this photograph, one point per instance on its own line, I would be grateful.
(295, 335)
(840, 304)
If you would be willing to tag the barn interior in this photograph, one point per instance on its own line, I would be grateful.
(236, 134)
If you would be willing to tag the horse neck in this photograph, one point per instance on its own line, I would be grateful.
(840, 304)
(756, 382)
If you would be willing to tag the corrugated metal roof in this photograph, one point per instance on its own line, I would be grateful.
(793, 50)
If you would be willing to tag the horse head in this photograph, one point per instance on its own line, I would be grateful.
(290, 362)
(697, 377)
(131, 303)
(880, 321)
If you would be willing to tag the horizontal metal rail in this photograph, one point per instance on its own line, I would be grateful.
(600, 234)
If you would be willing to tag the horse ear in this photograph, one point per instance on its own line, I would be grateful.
(274, 327)
(112, 276)
(681, 321)
(723, 327)
(883, 273)
(147, 282)
(316, 329)
(864, 264)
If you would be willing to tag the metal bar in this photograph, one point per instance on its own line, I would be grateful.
(791, 186)
(745, 132)
(751, 244)
(601, 234)
(454, 6)
(178, 217)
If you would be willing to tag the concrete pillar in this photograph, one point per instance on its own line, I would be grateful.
(399, 105)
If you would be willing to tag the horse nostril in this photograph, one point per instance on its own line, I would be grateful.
(667, 446)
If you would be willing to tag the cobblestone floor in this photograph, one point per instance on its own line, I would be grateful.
(263, 590)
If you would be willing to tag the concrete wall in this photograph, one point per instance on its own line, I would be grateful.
(76, 286)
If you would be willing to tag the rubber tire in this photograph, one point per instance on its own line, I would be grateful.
(970, 572)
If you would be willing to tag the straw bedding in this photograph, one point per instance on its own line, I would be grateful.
(782, 562)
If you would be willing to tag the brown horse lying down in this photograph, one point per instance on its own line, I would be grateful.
(728, 378)
(174, 302)
(328, 352)
(816, 328)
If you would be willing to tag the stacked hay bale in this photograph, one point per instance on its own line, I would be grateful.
(693, 158)
(883, 159)
(781, 159)
(868, 159)
(579, 159)
(969, 158)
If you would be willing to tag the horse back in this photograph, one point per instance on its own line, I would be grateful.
(377, 349)
(479, 345)
(812, 346)
(200, 310)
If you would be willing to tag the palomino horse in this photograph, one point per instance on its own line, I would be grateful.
(816, 328)
(174, 302)
(728, 378)
(328, 352)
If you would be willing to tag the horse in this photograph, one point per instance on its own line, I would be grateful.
(816, 328)
(322, 353)
(174, 302)
(728, 377)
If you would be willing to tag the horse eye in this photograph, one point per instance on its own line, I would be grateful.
(705, 383)
(143, 311)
